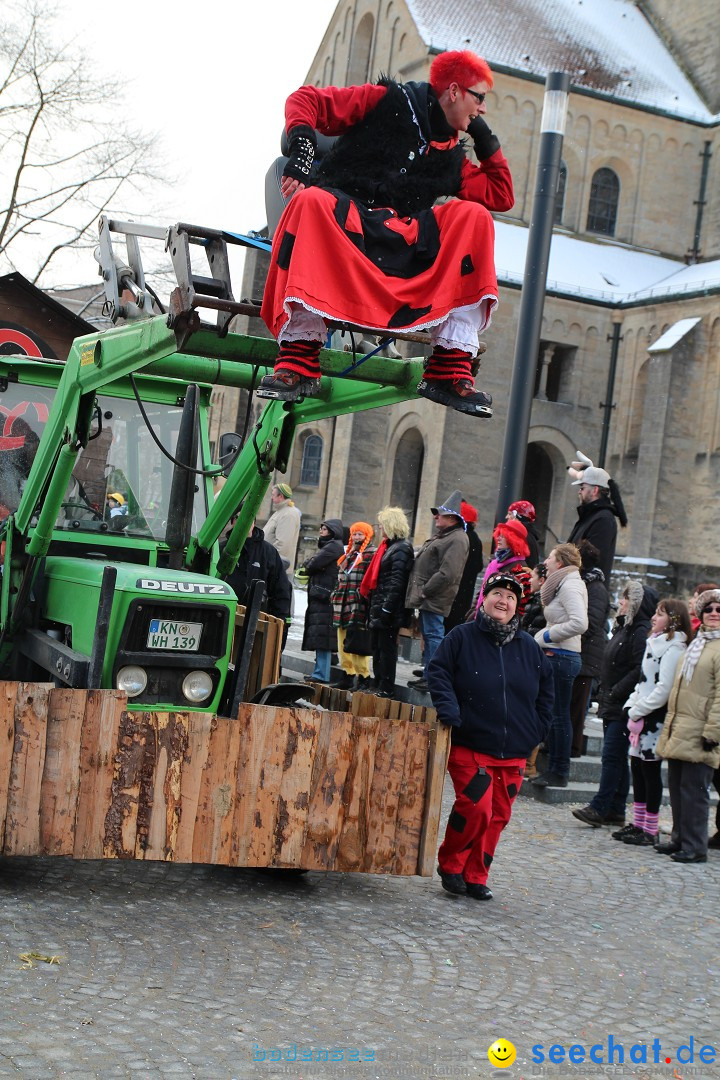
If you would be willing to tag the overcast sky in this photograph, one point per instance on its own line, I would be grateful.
(211, 77)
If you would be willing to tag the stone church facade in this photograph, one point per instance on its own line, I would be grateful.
(634, 288)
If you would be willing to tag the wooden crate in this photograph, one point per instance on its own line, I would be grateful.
(266, 652)
(80, 775)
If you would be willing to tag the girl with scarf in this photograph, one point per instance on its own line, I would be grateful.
(690, 738)
(494, 687)
(384, 586)
(565, 603)
(646, 708)
(511, 552)
(350, 608)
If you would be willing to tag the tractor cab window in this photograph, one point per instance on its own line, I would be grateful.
(121, 481)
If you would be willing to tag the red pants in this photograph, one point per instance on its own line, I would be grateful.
(485, 789)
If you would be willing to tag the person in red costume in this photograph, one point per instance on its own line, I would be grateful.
(361, 239)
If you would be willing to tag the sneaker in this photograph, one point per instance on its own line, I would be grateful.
(626, 831)
(452, 883)
(589, 816)
(478, 892)
(287, 386)
(641, 839)
(460, 395)
(550, 779)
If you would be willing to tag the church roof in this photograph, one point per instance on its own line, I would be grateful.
(608, 47)
(602, 271)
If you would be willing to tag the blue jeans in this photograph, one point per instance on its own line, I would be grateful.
(322, 666)
(565, 667)
(432, 628)
(615, 774)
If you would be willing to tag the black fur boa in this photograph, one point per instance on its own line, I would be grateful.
(384, 160)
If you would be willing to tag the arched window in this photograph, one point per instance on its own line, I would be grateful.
(560, 194)
(604, 198)
(407, 473)
(359, 63)
(311, 461)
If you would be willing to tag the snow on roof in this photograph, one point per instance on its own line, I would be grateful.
(672, 335)
(601, 270)
(607, 46)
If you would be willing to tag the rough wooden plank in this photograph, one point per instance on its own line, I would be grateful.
(333, 755)
(384, 796)
(293, 800)
(212, 842)
(8, 696)
(353, 838)
(22, 831)
(406, 710)
(253, 817)
(394, 707)
(61, 775)
(411, 803)
(160, 799)
(98, 745)
(121, 819)
(199, 728)
(438, 753)
(282, 733)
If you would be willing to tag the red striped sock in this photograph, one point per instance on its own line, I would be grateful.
(449, 364)
(300, 357)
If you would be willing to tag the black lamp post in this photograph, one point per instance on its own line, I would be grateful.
(552, 129)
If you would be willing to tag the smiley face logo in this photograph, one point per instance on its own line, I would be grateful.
(501, 1054)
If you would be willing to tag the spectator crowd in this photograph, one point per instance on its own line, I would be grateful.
(513, 654)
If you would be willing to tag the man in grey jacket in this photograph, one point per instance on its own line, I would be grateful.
(435, 578)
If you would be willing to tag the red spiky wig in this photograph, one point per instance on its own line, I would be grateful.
(463, 67)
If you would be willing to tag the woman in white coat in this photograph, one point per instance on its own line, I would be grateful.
(646, 708)
(565, 606)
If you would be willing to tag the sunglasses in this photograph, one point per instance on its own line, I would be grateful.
(714, 609)
(478, 97)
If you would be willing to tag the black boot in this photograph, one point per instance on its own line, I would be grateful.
(460, 395)
(287, 386)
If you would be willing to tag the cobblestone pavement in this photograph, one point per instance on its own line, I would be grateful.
(192, 971)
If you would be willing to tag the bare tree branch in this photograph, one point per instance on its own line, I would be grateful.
(64, 157)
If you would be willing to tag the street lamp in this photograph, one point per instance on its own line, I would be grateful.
(552, 129)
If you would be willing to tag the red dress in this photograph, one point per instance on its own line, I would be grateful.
(347, 262)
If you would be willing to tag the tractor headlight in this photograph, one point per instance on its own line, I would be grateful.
(132, 680)
(197, 686)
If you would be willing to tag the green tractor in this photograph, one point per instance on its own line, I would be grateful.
(112, 576)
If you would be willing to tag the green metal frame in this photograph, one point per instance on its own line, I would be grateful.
(98, 361)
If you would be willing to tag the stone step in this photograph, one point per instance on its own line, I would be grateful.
(577, 791)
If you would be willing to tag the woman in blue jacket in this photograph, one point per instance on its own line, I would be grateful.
(492, 684)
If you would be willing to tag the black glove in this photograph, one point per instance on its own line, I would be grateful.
(709, 745)
(384, 619)
(302, 141)
(486, 144)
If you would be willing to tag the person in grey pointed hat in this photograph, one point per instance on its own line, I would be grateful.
(436, 576)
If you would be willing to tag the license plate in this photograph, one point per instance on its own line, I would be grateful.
(176, 636)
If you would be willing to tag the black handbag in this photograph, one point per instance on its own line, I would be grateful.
(358, 640)
(319, 592)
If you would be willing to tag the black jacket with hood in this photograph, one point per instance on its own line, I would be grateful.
(319, 633)
(622, 662)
